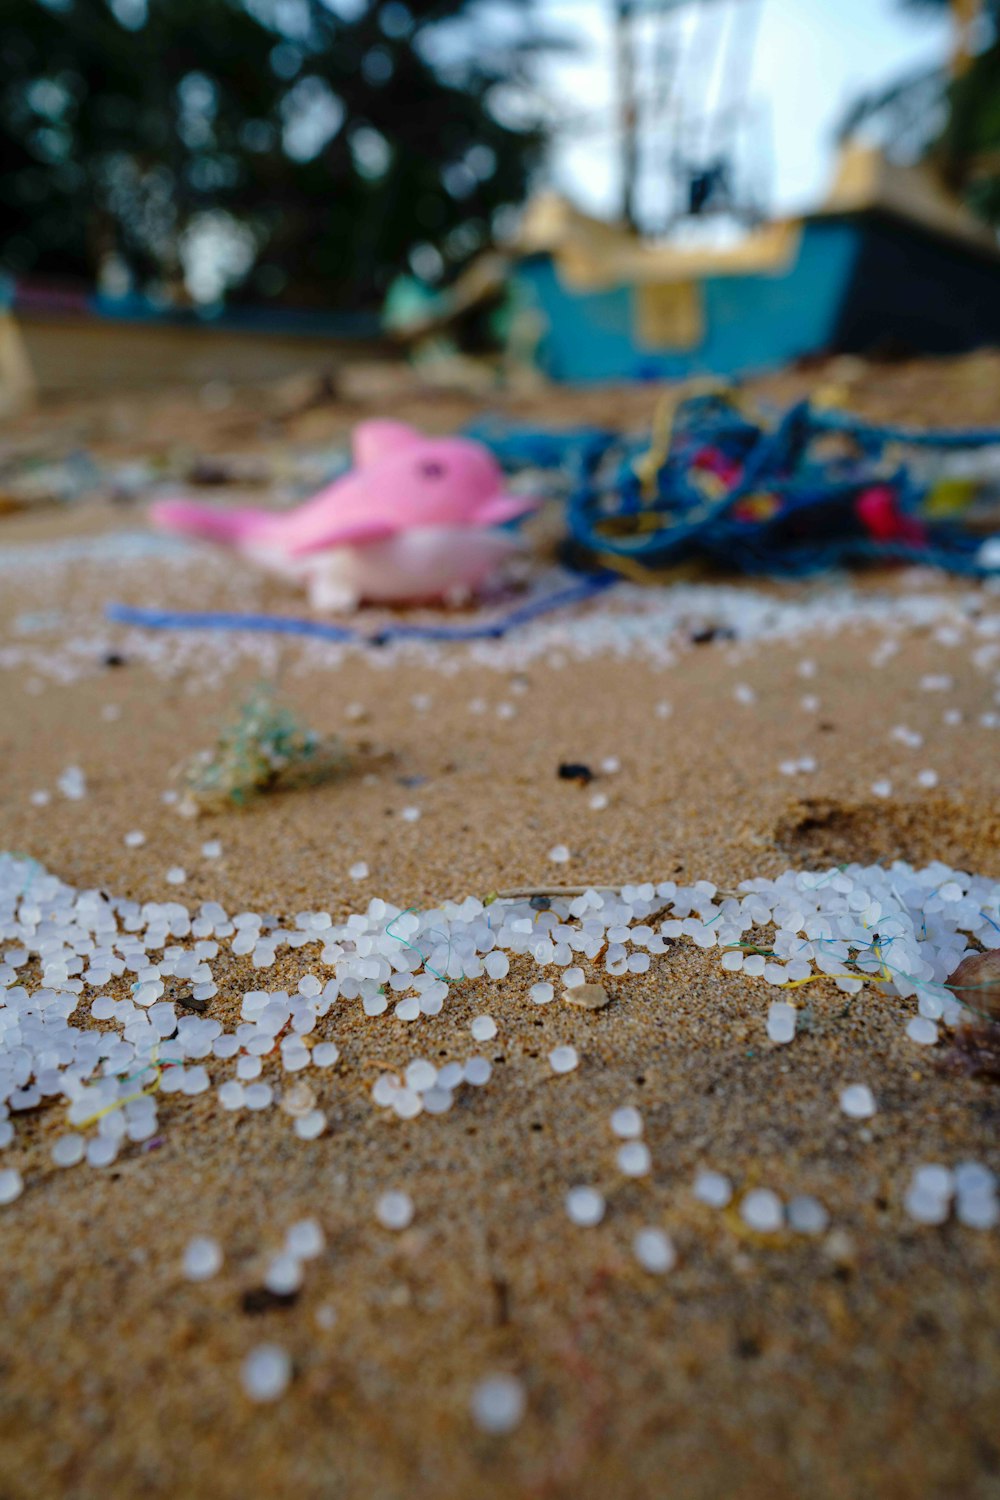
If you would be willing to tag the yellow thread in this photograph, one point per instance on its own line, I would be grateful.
(877, 950)
(120, 1103)
(760, 506)
(131, 1098)
(642, 520)
(793, 984)
(638, 573)
(648, 465)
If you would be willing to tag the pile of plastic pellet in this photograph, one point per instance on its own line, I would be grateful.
(65, 1041)
(896, 928)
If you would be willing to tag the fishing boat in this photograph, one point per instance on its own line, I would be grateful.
(888, 261)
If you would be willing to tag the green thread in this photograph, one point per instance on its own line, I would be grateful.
(407, 944)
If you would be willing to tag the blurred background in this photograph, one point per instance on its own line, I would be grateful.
(569, 190)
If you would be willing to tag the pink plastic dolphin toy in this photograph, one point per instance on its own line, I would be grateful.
(416, 518)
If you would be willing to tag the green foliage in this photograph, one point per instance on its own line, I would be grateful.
(321, 148)
(948, 117)
(969, 145)
(989, 9)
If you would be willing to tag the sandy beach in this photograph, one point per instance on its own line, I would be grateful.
(733, 731)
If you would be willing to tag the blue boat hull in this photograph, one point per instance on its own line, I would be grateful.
(856, 283)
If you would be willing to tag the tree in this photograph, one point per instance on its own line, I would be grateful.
(297, 150)
(948, 116)
(968, 147)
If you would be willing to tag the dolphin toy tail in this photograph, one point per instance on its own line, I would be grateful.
(233, 528)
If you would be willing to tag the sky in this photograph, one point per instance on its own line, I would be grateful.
(810, 59)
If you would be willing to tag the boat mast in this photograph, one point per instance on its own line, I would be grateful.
(682, 70)
(628, 112)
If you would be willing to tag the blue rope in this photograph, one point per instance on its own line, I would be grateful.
(174, 619)
(811, 522)
(911, 437)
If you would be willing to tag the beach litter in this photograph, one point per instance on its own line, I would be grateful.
(416, 518)
(264, 749)
(122, 1068)
(809, 492)
(791, 493)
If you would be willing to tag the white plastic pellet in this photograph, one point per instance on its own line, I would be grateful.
(498, 1404)
(407, 1104)
(101, 1151)
(925, 1206)
(781, 1019)
(973, 1177)
(934, 1178)
(266, 1372)
(634, 1159)
(626, 1122)
(202, 1258)
(585, 1206)
(478, 1071)
(305, 1239)
(978, 1210)
(420, 1075)
(68, 1150)
(394, 1210)
(654, 1250)
(807, 1216)
(922, 1031)
(284, 1274)
(307, 1127)
(761, 1210)
(258, 1096)
(857, 1101)
(11, 1185)
(713, 1188)
(497, 964)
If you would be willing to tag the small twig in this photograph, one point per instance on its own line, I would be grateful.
(553, 890)
(581, 890)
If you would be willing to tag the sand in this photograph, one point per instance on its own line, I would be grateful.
(865, 1361)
